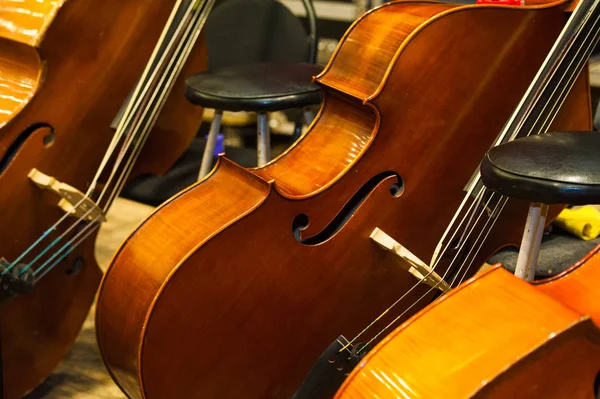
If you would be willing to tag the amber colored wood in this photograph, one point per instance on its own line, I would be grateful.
(21, 76)
(26, 21)
(65, 70)
(493, 337)
(577, 286)
(213, 296)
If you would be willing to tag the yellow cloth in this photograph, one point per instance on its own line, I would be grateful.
(582, 222)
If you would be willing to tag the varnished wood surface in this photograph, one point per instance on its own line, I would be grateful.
(493, 337)
(249, 308)
(578, 286)
(26, 21)
(21, 76)
(89, 56)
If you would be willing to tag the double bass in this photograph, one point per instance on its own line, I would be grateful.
(235, 286)
(67, 68)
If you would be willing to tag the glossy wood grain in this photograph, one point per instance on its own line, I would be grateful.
(89, 58)
(577, 287)
(26, 21)
(21, 77)
(493, 337)
(248, 308)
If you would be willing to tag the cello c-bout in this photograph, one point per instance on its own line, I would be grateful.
(237, 285)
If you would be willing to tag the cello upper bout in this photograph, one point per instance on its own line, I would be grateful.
(21, 76)
(370, 46)
(26, 21)
(23, 24)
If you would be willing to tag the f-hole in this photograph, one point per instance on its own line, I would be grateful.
(47, 140)
(597, 386)
(302, 220)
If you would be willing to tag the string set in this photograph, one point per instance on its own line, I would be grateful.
(548, 84)
(147, 100)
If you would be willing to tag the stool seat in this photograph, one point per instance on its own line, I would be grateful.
(255, 88)
(551, 168)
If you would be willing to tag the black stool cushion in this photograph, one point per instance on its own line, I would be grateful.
(551, 168)
(256, 88)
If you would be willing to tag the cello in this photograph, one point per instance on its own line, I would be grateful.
(512, 339)
(236, 285)
(66, 69)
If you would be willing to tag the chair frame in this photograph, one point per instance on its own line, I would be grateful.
(263, 139)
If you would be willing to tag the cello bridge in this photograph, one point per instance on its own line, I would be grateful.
(408, 261)
(72, 201)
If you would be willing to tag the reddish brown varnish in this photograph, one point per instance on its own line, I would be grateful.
(493, 337)
(214, 297)
(67, 66)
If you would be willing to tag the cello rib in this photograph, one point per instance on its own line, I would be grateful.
(26, 21)
(21, 77)
(509, 336)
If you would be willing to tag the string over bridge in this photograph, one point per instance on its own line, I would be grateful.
(415, 266)
(72, 201)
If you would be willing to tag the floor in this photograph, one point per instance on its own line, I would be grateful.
(82, 375)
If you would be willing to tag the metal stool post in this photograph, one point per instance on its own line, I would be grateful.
(309, 116)
(211, 142)
(263, 138)
(530, 243)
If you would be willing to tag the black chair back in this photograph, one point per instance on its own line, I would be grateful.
(242, 32)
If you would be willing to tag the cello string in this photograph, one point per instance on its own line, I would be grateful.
(64, 251)
(514, 124)
(95, 227)
(394, 304)
(139, 120)
(470, 214)
(137, 117)
(571, 79)
(142, 87)
(502, 136)
(562, 88)
(494, 218)
(71, 245)
(123, 121)
(549, 116)
(194, 30)
(68, 244)
(393, 322)
(479, 241)
(112, 146)
(559, 100)
(183, 51)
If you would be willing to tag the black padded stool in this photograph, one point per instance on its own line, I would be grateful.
(256, 86)
(552, 168)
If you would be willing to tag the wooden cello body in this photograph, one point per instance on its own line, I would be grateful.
(237, 285)
(66, 68)
(512, 340)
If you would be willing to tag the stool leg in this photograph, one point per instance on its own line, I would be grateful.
(207, 157)
(530, 244)
(263, 139)
(308, 116)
